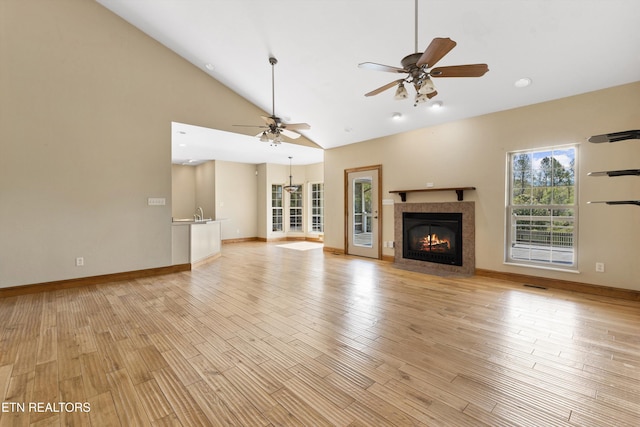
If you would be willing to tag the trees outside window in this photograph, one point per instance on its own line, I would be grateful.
(295, 210)
(542, 209)
(277, 222)
(317, 207)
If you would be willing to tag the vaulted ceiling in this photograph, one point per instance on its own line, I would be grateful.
(565, 47)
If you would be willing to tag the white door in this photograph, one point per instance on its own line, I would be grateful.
(363, 211)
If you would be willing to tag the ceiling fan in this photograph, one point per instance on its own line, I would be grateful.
(419, 68)
(274, 129)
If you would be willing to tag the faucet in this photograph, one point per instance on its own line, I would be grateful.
(199, 215)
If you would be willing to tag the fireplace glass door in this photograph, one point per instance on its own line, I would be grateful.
(432, 237)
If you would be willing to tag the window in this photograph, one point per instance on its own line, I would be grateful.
(542, 209)
(362, 221)
(295, 210)
(276, 208)
(317, 208)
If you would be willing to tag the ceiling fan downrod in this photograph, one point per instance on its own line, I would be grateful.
(416, 27)
(273, 61)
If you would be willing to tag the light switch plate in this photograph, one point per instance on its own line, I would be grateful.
(156, 201)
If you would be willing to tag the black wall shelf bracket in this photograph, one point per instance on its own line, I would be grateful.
(615, 136)
(624, 172)
(619, 202)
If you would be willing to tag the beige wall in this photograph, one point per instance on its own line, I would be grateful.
(85, 138)
(183, 191)
(193, 187)
(205, 188)
(473, 153)
(264, 198)
(85, 127)
(237, 199)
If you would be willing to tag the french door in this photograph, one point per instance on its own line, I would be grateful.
(363, 211)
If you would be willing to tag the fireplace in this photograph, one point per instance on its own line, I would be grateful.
(438, 238)
(432, 237)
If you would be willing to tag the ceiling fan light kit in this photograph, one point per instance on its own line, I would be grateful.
(419, 68)
(401, 92)
(426, 87)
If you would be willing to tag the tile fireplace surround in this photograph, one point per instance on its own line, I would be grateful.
(468, 266)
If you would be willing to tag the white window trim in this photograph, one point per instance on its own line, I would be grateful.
(282, 209)
(288, 229)
(508, 207)
(310, 230)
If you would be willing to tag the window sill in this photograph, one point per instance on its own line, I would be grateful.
(543, 267)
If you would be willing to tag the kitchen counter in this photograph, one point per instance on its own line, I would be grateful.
(194, 242)
(188, 221)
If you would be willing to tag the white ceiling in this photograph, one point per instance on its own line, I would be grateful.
(191, 145)
(566, 47)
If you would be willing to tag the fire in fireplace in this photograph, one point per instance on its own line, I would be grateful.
(432, 237)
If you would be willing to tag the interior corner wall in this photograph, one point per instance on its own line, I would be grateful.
(314, 172)
(183, 191)
(85, 139)
(205, 189)
(263, 219)
(236, 190)
(473, 152)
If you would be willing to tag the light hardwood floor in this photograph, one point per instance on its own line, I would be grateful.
(272, 336)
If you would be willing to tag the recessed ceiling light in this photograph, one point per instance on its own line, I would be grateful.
(523, 82)
(436, 105)
(208, 66)
(396, 116)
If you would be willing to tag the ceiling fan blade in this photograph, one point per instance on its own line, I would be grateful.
(471, 70)
(251, 126)
(270, 121)
(289, 133)
(380, 67)
(383, 88)
(295, 126)
(438, 48)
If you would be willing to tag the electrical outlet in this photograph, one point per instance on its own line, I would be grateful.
(600, 267)
(79, 261)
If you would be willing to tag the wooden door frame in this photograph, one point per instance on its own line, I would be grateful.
(346, 205)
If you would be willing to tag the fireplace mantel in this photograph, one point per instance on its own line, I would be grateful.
(459, 191)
